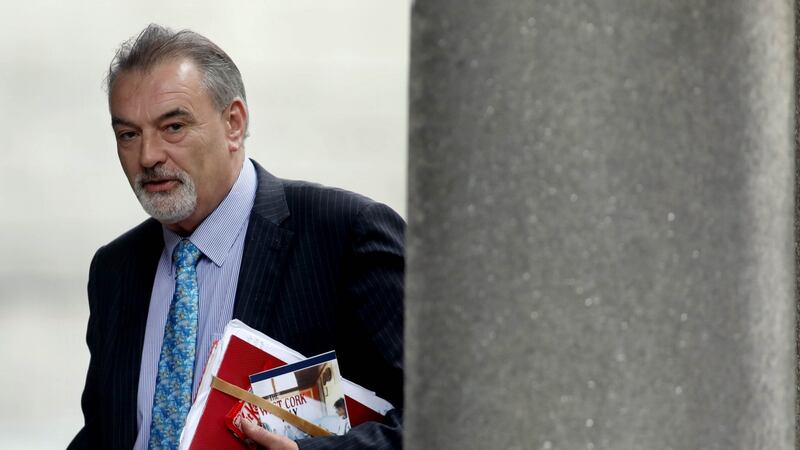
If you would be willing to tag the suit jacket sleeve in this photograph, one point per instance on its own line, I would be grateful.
(374, 280)
(89, 400)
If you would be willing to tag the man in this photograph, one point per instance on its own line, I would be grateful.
(341, 411)
(313, 267)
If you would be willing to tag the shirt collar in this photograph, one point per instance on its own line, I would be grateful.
(218, 232)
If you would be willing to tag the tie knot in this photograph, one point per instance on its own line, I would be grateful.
(186, 254)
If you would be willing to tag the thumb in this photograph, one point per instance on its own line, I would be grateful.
(266, 439)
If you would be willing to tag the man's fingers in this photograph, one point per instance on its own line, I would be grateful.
(264, 438)
(258, 434)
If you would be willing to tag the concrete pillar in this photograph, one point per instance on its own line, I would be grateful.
(600, 245)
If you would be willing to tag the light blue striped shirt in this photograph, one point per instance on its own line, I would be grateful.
(221, 240)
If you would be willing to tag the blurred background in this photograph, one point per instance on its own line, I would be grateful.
(326, 85)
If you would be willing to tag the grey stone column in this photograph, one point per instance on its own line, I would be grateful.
(600, 245)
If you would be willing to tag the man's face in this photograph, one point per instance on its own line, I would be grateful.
(180, 153)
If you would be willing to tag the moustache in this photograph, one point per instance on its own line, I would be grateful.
(160, 173)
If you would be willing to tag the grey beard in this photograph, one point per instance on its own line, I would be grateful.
(171, 206)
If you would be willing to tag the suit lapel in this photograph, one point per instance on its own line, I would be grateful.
(136, 288)
(265, 253)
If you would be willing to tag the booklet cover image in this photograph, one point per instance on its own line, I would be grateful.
(311, 389)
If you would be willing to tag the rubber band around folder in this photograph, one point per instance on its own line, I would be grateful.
(241, 394)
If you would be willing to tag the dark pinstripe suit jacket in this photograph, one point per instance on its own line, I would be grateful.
(322, 268)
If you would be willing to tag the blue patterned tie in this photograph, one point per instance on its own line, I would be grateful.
(173, 393)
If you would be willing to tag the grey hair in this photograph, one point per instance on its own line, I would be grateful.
(157, 44)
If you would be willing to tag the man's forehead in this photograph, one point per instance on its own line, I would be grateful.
(168, 85)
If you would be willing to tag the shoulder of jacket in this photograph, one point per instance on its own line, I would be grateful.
(331, 200)
(145, 234)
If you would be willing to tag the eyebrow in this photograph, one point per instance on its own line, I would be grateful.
(118, 121)
(177, 112)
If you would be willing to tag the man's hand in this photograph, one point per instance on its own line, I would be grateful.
(264, 438)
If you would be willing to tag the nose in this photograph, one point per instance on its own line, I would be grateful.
(152, 152)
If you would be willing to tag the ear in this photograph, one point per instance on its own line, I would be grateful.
(235, 116)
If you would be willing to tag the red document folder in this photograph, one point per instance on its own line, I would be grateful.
(241, 360)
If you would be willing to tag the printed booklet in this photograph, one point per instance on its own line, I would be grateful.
(311, 389)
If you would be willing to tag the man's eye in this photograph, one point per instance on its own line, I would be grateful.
(174, 127)
(126, 136)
